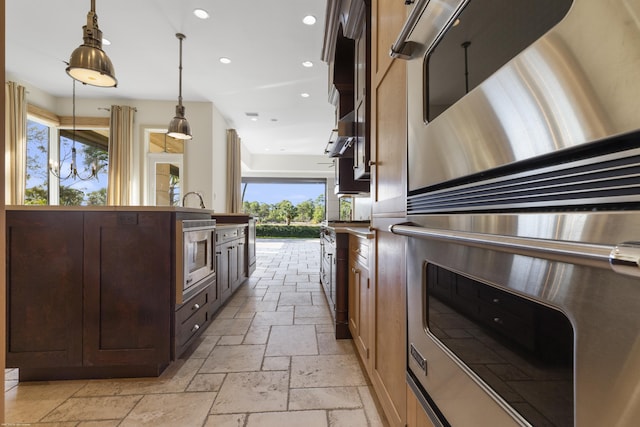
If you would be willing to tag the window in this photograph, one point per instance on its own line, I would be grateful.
(49, 145)
(37, 172)
(91, 154)
(164, 167)
(273, 200)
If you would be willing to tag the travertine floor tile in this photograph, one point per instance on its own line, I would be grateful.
(288, 419)
(170, 410)
(347, 418)
(257, 335)
(228, 327)
(174, 379)
(29, 402)
(206, 382)
(204, 346)
(326, 371)
(370, 408)
(93, 408)
(324, 398)
(277, 363)
(252, 392)
(273, 318)
(292, 340)
(234, 358)
(328, 344)
(295, 298)
(232, 420)
(108, 423)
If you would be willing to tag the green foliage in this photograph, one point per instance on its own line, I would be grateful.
(97, 198)
(288, 231)
(285, 212)
(37, 195)
(70, 196)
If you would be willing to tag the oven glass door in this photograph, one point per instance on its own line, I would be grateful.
(521, 350)
(198, 256)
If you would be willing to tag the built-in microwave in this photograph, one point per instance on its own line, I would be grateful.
(194, 256)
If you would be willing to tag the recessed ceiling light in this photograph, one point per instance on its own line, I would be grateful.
(309, 19)
(201, 13)
(307, 64)
(106, 42)
(305, 95)
(225, 60)
(254, 119)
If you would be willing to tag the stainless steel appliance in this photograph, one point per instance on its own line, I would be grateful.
(524, 152)
(195, 252)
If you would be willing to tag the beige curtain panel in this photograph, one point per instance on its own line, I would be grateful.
(15, 142)
(120, 155)
(234, 174)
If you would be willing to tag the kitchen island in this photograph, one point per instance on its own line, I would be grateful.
(91, 291)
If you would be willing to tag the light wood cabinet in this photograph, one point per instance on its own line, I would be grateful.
(389, 364)
(360, 297)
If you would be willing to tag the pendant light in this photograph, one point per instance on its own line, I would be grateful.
(88, 63)
(179, 127)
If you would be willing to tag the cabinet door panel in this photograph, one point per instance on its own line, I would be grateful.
(127, 271)
(44, 289)
(389, 364)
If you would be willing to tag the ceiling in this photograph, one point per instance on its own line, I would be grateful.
(265, 40)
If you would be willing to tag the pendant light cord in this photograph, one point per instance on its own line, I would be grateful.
(180, 37)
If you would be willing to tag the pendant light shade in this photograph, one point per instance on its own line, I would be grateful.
(89, 64)
(179, 126)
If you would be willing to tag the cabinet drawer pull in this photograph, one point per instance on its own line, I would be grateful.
(497, 320)
(496, 300)
(196, 306)
(195, 327)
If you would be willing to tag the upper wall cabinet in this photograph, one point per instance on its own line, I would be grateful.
(347, 47)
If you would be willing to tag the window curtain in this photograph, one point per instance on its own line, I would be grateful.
(120, 155)
(234, 175)
(15, 142)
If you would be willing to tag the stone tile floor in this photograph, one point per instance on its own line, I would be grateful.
(269, 358)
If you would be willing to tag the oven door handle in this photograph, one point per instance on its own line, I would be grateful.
(623, 258)
(442, 15)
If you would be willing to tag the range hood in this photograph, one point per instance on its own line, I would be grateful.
(341, 139)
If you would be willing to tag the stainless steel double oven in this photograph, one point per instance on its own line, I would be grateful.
(523, 270)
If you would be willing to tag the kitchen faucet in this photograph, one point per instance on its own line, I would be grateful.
(197, 194)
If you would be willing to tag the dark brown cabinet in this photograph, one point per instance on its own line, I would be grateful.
(91, 294)
(334, 248)
(231, 268)
(44, 289)
(251, 246)
(344, 180)
(127, 288)
(192, 317)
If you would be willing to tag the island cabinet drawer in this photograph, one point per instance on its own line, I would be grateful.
(192, 307)
(226, 234)
(191, 319)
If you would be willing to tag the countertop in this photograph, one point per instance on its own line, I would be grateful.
(109, 209)
(358, 228)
